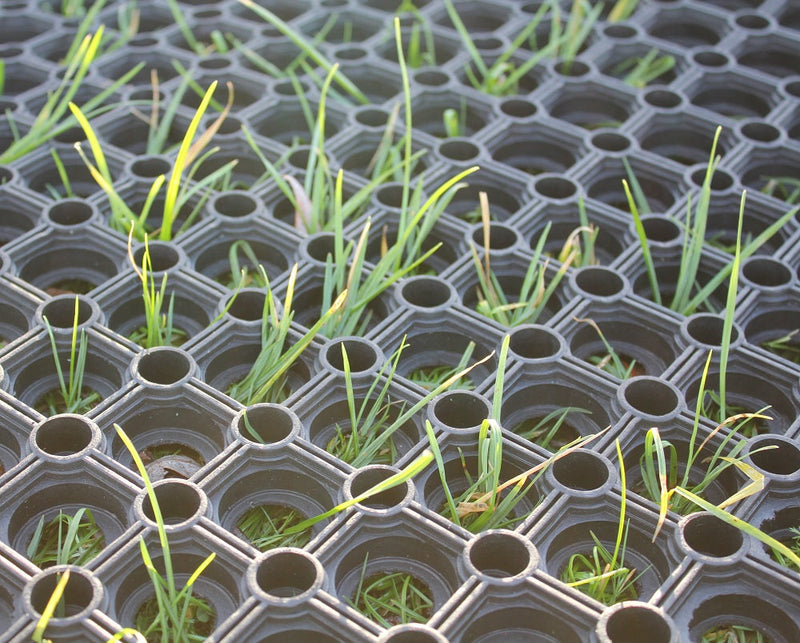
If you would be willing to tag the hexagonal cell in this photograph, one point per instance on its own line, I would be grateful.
(342, 27)
(287, 479)
(130, 131)
(283, 121)
(636, 64)
(772, 326)
(442, 114)
(248, 89)
(130, 586)
(21, 77)
(773, 54)
(536, 147)
(603, 181)
(174, 438)
(722, 604)
(15, 432)
(286, 10)
(206, 35)
(591, 105)
(439, 343)
(571, 527)
(18, 214)
(23, 27)
(422, 45)
(565, 222)
(683, 138)
(45, 492)
(773, 172)
(533, 612)
(687, 26)
(734, 5)
(478, 17)
(127, 58)
(733, 95)
(752, 383)
(361, 154)
(643, 341)
(563, 411)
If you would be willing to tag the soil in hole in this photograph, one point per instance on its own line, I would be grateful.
(70, 287)
(175, 338)
(734, 633)
(605, 362)
(265, 527)
(171, 460)
(52, 402)
(394, 599)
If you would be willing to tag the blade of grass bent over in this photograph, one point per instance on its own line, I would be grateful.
(50, 608)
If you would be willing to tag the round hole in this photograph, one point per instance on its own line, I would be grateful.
(6, 174)
(350, 53)
(793, 88)
(706, 329)
(365, 479)
(163, 256)
(712, 59)
(272, 423)
(571, 68)
(150, 167)
(361, 355)
(581, 471)
(319, 246)
(372, 117)
(501, 237)
(781, 458)
(7, 105)
(767, 273)
(500, 554)
(660, 230)
(248, 306)
(64, 435)
(143, 41)
(488, 43)
(231, 125)
(650, 396)
(459, 150)
(411, 633)
(611, 142)
(752, 21)
(286, 88)
(164, 366)
(60, 311)
(662, 98)
(708, 535)
(599, 282)
(178, 501)
(720, 180)
(534, 342)
(631, 623)
(760, 132)
(80, 595)
(286, 573)
(460, 410)
(214, 62)
(426, 292)
(555, 187)
(619, 32)
(235, 205)
(517, 108)
(299, 158)
(70, 212)
(208, 14)
(432, 78)
(390, 196)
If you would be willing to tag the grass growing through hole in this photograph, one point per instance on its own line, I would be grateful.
(369, 438)
(50, 609)
(429, 377)
(611, 362)
(602, 575)
(269, 526)
(545, 430)
(266, 381)
(392, 598)
(794, 546)
(54, 118)
(640, 71)
(486, 503)
(66, 540)
(688, 296)
(534, 293)
(178, 191)
(242, 276)
(158, 329)
(71, 396)
(172, 614)
(785, 346)
(786, 188)
(733, 633)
